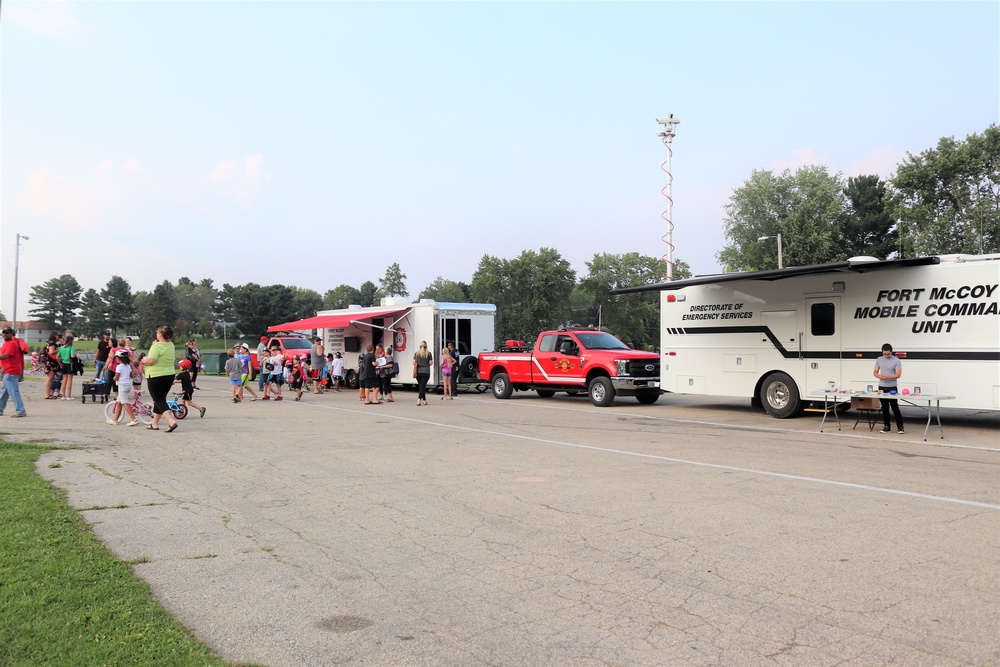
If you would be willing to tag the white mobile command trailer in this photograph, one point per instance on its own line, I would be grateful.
(776, 336)
(403, 325)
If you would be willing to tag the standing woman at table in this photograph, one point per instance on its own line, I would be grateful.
(158, 365)
(888, 369)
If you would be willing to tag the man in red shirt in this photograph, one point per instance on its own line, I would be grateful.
(12, 363)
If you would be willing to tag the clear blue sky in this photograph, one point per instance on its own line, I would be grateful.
(315, 143)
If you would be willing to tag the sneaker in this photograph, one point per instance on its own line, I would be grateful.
(277, 398)
(111, 422)
(887, 430)
(201, 413)
(901, 432)
(265, 398)
(18, 415)
(134, 422)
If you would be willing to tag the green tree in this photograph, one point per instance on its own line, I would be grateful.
(56, 302)
(224, 304)
(635, 318)
(531, 292)
(867, 225)
(369, 294)
(393, 282)
(948, 198)
(341, 296)
(306, 302)
(159, 309)
(804, 207)
(444, 291)
(255, 308)
(120, 305)
(93, 314)
(196, 303)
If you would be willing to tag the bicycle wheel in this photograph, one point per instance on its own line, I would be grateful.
(109, 409)
(181, 411)
(143, 412)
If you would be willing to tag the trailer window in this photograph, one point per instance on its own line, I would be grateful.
(822, 320)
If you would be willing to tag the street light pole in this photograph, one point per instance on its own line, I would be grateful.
(17, 261)
(777, 236)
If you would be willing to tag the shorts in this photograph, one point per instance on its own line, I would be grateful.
(245, 379)
(125, 396)
(446, 372)
(236, 382)
(276, 378)
(314, 373)
(67, 369)
(371, 383)
(295, 385)
(338, 378)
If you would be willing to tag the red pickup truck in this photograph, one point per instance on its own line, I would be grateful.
(574, 361)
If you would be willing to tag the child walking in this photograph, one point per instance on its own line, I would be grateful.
(123, 376)
(234, 370)
(297, 378)
(187, 386)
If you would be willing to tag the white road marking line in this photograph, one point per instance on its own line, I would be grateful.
(668, 459)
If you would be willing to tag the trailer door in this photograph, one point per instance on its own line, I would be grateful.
(821, 343)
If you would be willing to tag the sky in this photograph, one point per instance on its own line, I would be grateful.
(316, 143)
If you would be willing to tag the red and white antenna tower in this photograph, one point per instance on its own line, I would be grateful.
(668, 136)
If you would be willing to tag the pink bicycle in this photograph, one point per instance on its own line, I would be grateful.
(143, 411)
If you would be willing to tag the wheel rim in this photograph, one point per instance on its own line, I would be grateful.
(598, 391)
(778, 395)
(499, 386)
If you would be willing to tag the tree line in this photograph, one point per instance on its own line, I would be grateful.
(535, 291)
(944, 200)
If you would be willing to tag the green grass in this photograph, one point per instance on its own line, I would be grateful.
(64, 599)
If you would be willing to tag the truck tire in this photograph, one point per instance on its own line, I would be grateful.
(602, 392)
(351, 379)
(546, 393)
(502, 388)
(469, 368)
(780, 396)
(648, 397)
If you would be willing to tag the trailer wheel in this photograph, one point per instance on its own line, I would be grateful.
(602, 392)
(546, 393)
(502, 387)
(780, 396)
(648, 397)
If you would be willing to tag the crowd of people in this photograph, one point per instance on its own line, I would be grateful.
(117, 363)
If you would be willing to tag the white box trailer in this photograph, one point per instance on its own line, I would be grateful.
(403, 325)
(776, 336)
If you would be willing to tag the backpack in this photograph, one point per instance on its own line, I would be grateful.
(395, 369)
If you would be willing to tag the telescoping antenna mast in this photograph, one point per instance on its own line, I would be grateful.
(668, 136)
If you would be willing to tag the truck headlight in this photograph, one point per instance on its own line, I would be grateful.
(622, 367)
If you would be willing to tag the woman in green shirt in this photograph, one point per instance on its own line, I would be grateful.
(67, 353)
(158, 366)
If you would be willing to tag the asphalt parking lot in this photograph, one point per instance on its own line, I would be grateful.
(545, 531)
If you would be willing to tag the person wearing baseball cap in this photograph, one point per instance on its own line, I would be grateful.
(243, 354)
(12, 364)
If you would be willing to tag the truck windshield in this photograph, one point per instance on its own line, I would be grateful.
(601, 341)
(297, 344)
